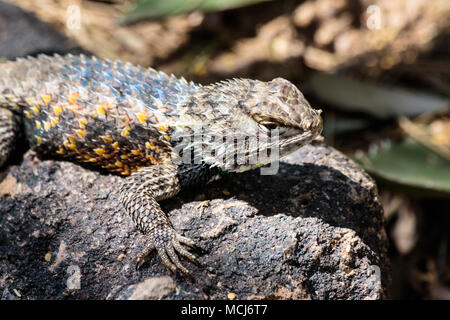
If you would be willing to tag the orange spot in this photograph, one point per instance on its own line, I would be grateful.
(119, 164)
(115, 145)
(136, 152)
(73, 97)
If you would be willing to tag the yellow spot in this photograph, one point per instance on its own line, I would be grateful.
(81, 133)
(72, 139)
(38, 139)
(38, 125)
(125, 131)
(148, 145)
(28, 114)
(119, 164)
(101, 109)
(124, 157)
(149, 157)
(57, 110)
(72, 146)
(126, 171)
(107, 139)
(47, 98)
(30, 100)
(60, 151)
(167, 137)
(93, 160)
(100, 151)
(163, 128)
(35, 109)
(73, 107)
(82, 123)
(73, 98)
(115, 145)
(47, 126)
(139, 168)
(231, 296)
(48, 257)
(142, 117)
(133, 170)
(53, 122)
(226, 192)
(123, 118)
(136, 152)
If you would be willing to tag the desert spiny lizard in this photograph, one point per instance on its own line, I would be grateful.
(160, 132)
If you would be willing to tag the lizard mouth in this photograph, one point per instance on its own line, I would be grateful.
(283, 140)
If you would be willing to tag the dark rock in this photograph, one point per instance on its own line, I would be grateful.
(312, 231)
(22, 34)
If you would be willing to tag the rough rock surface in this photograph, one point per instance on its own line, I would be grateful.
(312, 231)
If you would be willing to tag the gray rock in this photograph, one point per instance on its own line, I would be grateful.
(312, 231)
(22, 34)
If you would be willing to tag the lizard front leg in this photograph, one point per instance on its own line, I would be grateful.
(139, 194)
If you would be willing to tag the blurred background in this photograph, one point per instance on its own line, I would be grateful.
(379, 69)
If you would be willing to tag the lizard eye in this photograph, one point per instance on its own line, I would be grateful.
(269, 124)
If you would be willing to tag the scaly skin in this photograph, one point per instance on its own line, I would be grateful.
(159, 131)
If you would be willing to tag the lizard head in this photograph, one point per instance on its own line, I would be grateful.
(256, 122)
(283, 117)
(278, 104)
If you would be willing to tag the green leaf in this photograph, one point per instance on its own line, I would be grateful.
(409, 165)
(154, 9)
(375, 99)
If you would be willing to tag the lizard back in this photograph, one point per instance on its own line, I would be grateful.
(103, 113)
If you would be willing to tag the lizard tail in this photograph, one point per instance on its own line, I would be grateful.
(9, 132)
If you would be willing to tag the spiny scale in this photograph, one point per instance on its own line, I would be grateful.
(104, 113)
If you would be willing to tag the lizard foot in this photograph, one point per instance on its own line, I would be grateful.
(168, 243)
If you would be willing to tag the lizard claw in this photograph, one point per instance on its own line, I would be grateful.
(168, 243)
